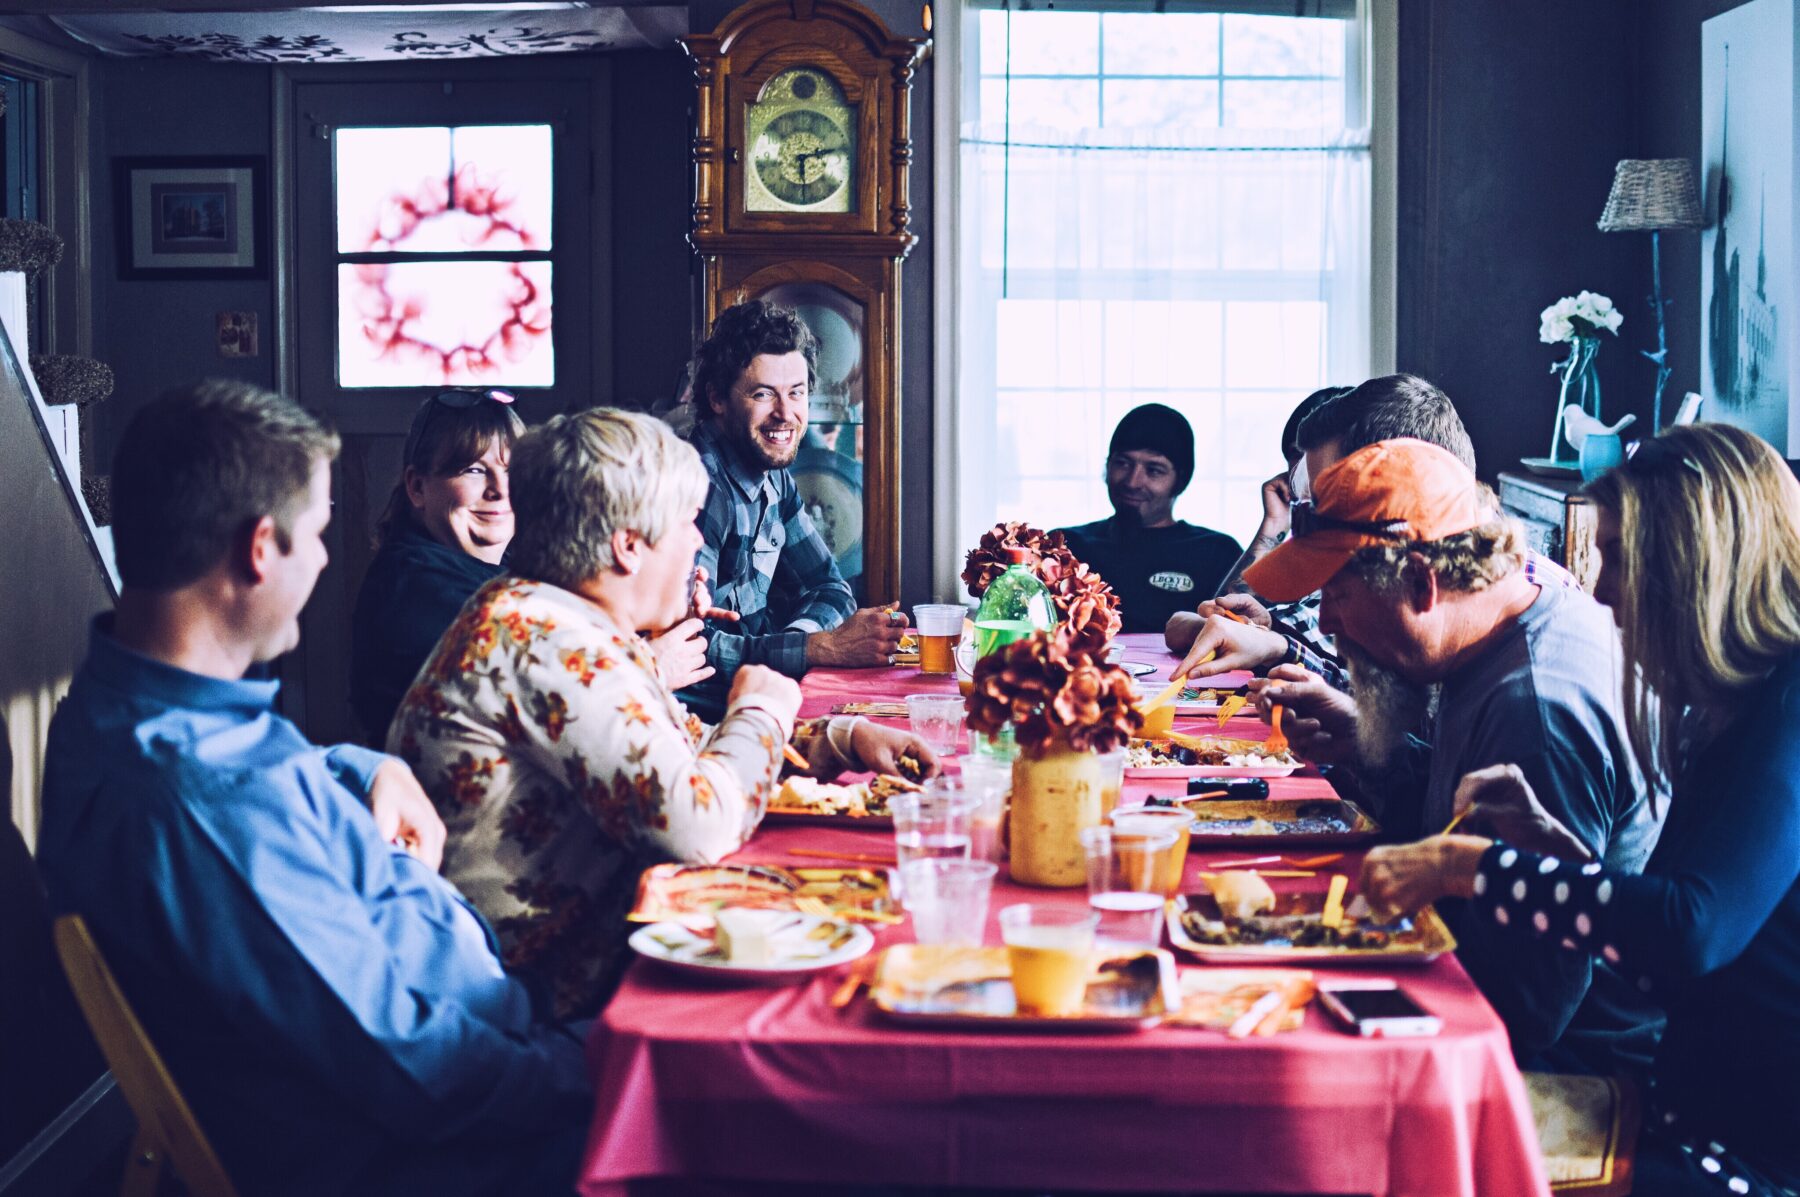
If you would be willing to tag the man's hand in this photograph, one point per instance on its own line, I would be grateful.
(1400, 879)
(1242, 605)
(867, 639)
(1320, 722)
(700, 601)
(1500, 802)
(404, 815)
(680, 654)
(779, 694)
(879, 749)
(1278, 502)
(1224, 645)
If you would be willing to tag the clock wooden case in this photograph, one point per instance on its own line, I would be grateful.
(802, 151)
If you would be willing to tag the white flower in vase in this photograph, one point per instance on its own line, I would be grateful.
(1581, 315)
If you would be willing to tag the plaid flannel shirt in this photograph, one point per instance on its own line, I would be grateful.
(767, 562)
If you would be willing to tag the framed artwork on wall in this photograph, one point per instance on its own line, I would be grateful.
(1749, 352)
(192, 218)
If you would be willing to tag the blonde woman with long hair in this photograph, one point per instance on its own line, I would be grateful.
(1699, 535)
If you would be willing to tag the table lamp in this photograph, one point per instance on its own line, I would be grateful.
(1649, 195)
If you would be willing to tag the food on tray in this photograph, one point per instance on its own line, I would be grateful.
(1214, 751)
(1307, 817)
(1241, 894)
(1293, 930)
(693, 894)
(879, 710)
(856, 800)
(1209, 694)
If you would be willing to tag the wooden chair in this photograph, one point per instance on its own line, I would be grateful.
(167, 1131)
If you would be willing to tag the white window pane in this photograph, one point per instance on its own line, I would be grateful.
(1203, 503)
(1159, 343)
(1281, 104)
(1274, 345)
(383, 177)
(1047, 343)
(1042, 43)
(436, 323)
(504, 173)
(1053, 434)
(1283, 46)
(1169, 104)
(1254, 193)
(1059, 503)
(1143, 43)
(1065, 105)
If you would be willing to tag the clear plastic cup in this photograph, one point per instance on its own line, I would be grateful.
(930, 825)
(948, 899)
(1112, 780)
(1122, 885)
(1051, 951)
(1156, 820)
(988, 783)
(937, 719)
(939, 626)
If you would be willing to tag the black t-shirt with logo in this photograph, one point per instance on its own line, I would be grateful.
(1155, 571)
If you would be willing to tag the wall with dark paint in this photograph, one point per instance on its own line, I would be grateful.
(157, 334)
(1512, 117)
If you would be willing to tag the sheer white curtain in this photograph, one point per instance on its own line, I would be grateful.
(1165, 208)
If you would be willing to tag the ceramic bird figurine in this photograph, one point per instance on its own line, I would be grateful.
(1578, 425)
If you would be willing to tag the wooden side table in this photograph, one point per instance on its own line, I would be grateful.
(1559, 521)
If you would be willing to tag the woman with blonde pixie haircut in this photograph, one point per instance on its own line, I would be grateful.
(546, 733)
(1699, 534)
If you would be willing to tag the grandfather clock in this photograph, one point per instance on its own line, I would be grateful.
(802, 148)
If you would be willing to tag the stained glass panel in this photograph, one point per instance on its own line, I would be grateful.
(472, 188)
(436, 323)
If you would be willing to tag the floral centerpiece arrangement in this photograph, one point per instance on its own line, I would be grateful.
(1066, 706)
(1578, 320)
(1083, 600)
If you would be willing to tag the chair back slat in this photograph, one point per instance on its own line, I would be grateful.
(164, 1118)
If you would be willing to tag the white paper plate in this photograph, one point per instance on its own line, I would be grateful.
(676, 946)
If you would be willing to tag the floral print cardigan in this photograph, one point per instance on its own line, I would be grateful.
(562, 766)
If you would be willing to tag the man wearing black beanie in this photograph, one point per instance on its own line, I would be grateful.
(1158, 565)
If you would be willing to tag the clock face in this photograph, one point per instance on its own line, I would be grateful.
(800, 137)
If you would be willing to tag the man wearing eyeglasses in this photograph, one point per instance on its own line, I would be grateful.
(1423, 584)
(1157, 564)
(769, 564)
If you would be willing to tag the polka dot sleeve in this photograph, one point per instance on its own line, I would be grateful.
(1545, 896)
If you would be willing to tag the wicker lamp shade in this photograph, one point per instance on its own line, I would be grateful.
(1652, 193)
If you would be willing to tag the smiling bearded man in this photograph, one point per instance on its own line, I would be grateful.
(768, 563)
(1422, 581)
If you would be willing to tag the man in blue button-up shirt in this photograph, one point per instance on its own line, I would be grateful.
(333, 1010)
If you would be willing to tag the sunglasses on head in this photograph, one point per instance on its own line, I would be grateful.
(1656, 453)
(1307, 520)
(456, 399)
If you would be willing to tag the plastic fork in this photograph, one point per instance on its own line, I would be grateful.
(1277, 743)
(1232, 704)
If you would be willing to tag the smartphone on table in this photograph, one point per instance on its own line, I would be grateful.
(1376, 1008)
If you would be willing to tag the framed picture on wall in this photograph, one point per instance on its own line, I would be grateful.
(192, 218)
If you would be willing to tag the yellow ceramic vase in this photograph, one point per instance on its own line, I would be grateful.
(1056, 796)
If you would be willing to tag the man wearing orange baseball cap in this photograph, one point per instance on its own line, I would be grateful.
(1422, 582)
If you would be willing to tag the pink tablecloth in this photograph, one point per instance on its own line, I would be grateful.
(707, 1084)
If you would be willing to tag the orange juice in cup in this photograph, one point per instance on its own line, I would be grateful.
(1050, 949)
(1155, 821)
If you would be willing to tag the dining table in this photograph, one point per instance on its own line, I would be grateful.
(707, 1087)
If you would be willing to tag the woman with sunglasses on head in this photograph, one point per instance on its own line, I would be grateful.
(1699, 535)
(442, 536)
